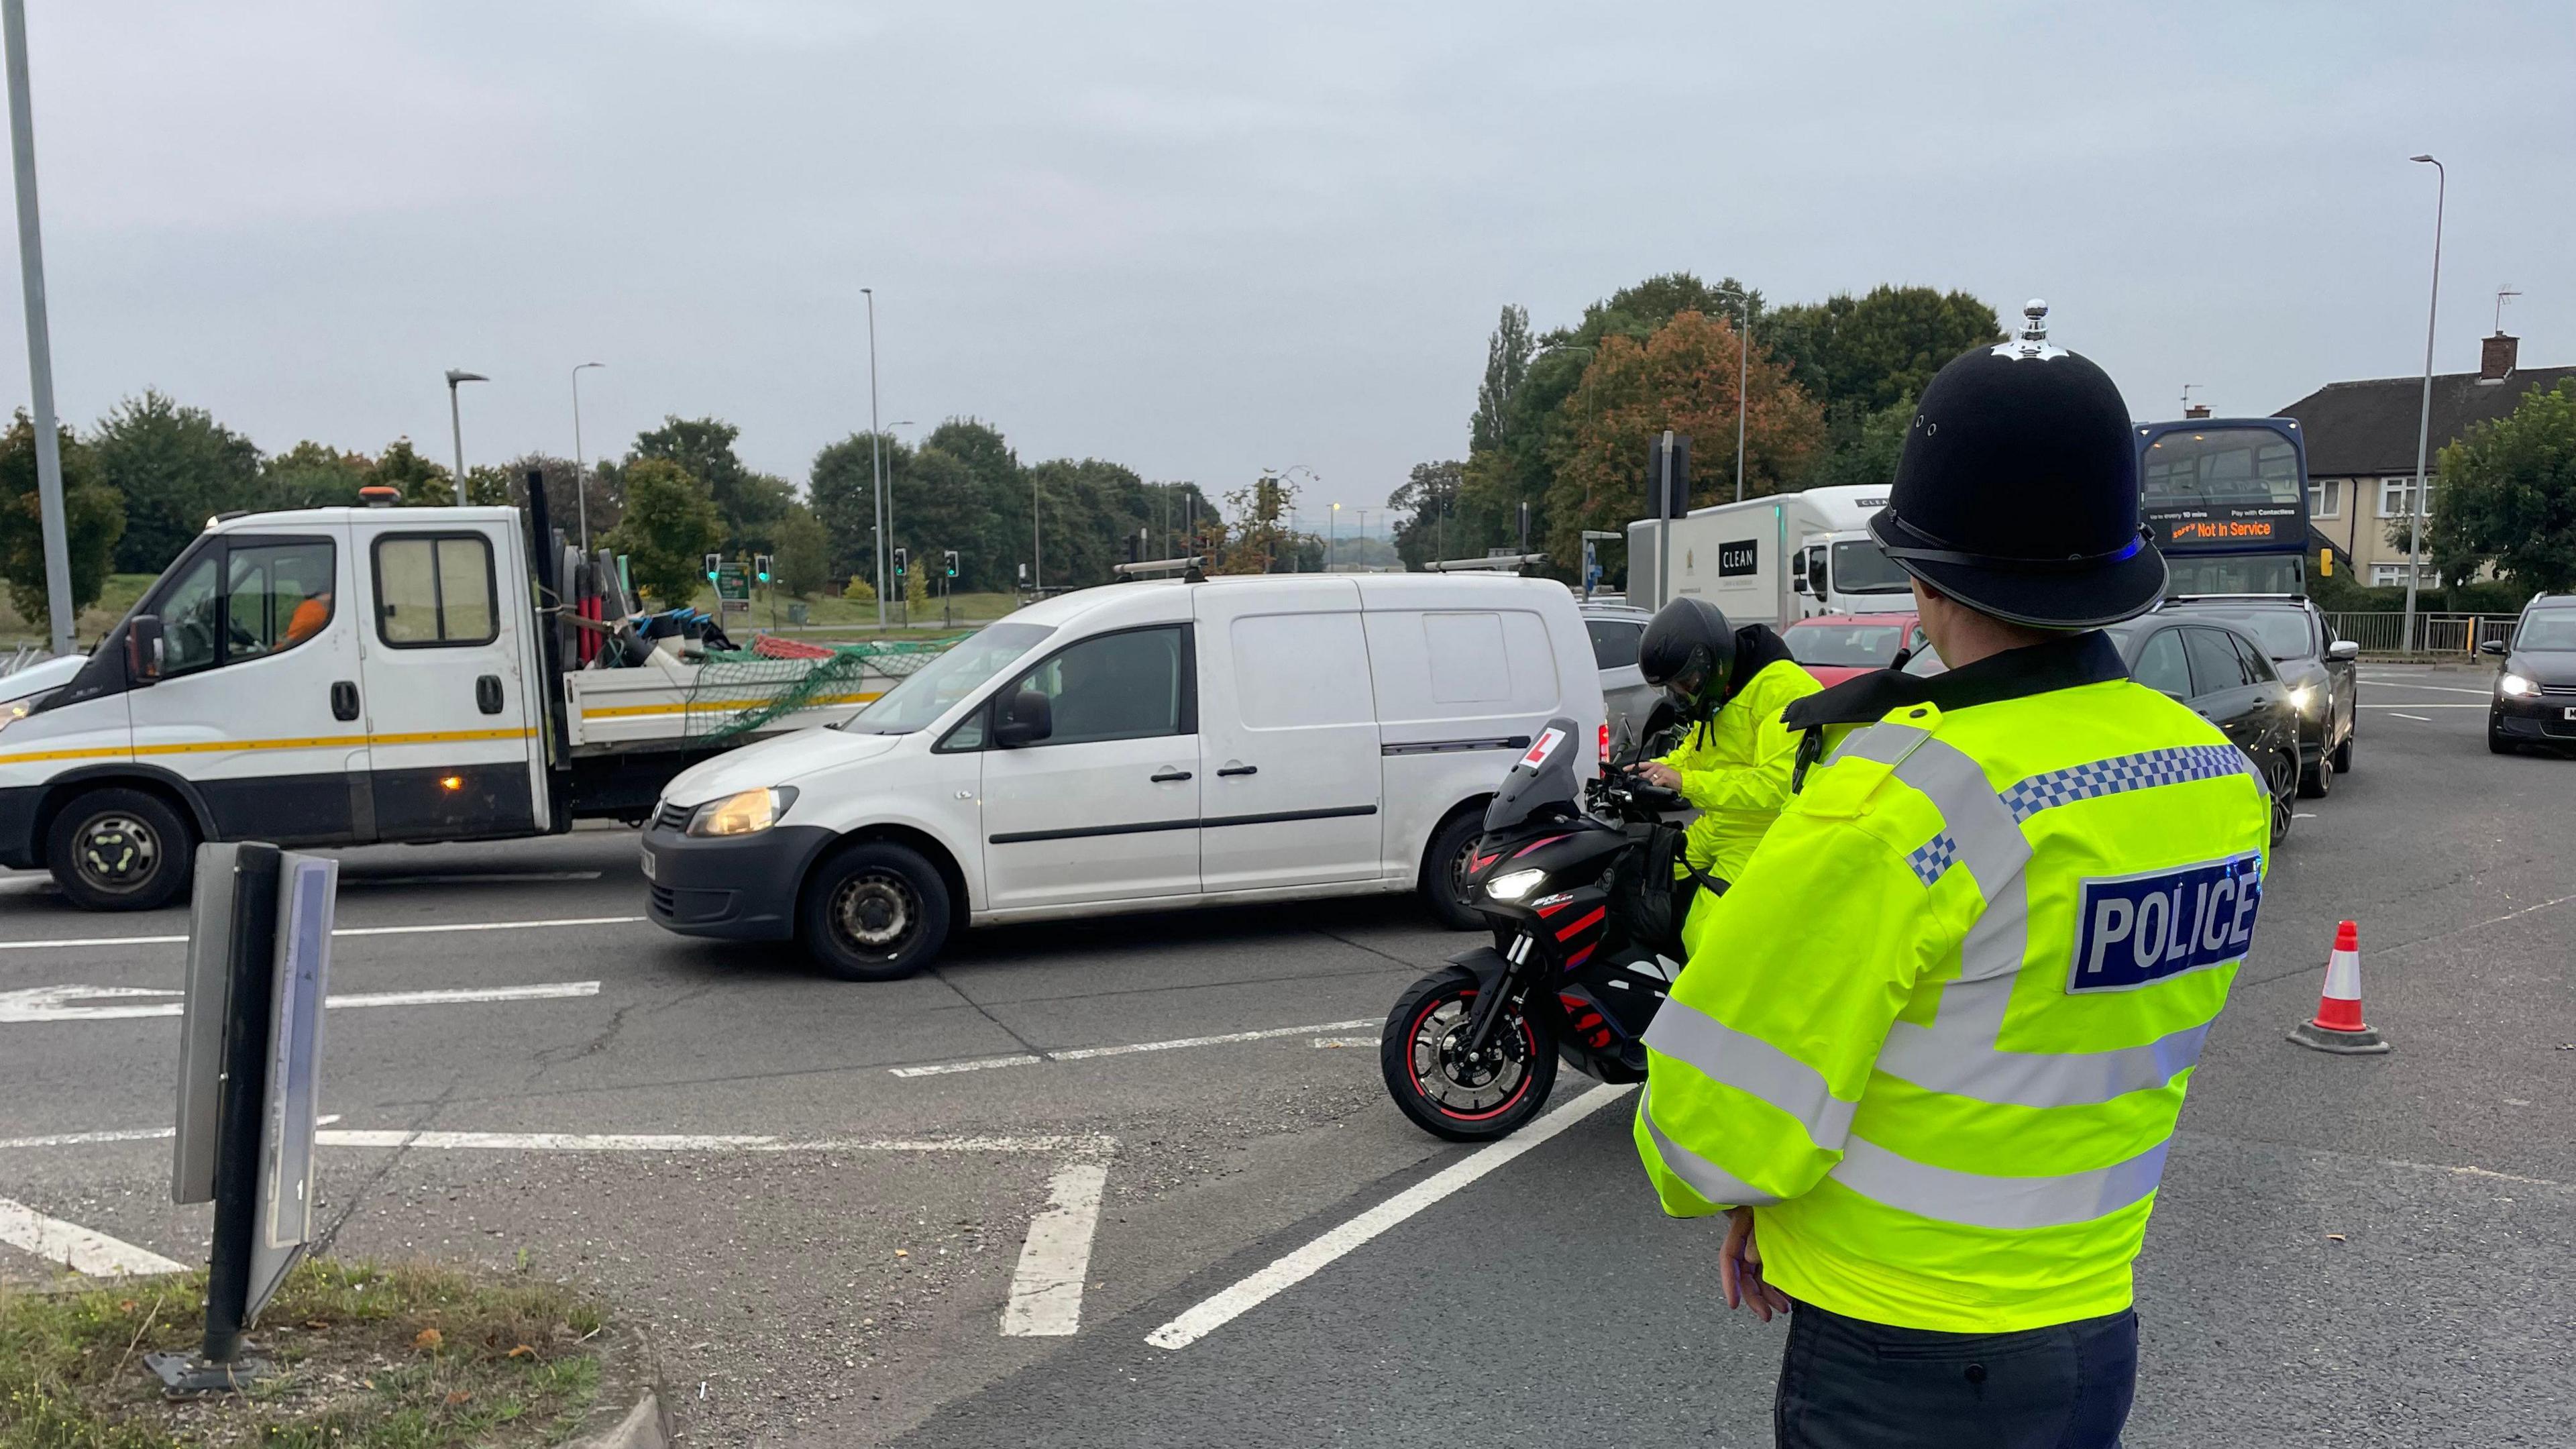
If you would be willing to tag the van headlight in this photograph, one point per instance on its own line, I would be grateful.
(746, 813)
(2514, 686)
(1516, 885)
(18, 709)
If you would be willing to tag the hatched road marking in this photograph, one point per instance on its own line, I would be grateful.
(1224, 1307)
(76, 1247)
(1046, 1288)
(1081, 1054)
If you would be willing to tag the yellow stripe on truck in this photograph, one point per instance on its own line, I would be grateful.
(629, 711)
(218, 747)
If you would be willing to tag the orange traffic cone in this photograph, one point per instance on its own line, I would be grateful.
(2337, 1026)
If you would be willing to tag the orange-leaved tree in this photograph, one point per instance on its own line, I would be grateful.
(1683, 377)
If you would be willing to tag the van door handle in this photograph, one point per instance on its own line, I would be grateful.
(1240, 770)
(487, 694)
(344, 699)
(1165, 776)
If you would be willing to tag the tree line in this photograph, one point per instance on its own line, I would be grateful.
(1562, 419)
(143, 481)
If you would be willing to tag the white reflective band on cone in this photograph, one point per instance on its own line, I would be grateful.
(2343, 976)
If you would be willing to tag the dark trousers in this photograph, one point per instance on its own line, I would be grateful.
(1849, 1384)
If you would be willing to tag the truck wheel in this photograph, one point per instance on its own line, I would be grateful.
(1444, 871)
(874, 912)
(120, 850)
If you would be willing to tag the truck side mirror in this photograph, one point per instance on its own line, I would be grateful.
(2351, 649)
(143, 649)
(1024, 719)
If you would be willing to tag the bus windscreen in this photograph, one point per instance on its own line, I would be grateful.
(2220, 467)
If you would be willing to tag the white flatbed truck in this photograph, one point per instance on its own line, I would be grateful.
(342, 676)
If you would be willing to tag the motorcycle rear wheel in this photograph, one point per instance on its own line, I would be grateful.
(1443, 1092)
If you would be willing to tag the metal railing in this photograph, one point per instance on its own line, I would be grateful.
(26, 654)
(2435, 634)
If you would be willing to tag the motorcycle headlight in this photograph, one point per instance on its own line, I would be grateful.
(1515, 885)
(2303, 698)
(746, 813)
(2514, 686)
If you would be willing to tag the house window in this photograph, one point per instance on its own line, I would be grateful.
(2393, 576)
(2397, 497)
(2327, 501)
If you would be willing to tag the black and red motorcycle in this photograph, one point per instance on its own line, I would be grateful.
(1587, 924)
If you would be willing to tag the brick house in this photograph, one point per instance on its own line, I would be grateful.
(2361, 449)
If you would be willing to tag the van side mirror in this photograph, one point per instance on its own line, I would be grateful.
(2489, 646)
(1024, 719)
(143, 649)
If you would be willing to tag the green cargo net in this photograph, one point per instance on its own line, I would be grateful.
(740, 691)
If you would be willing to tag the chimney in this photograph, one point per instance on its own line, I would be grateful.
(2196, 410)
(2495, 357)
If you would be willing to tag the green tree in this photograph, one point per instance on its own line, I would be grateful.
(1260, 543)
(92, 517)
(750, 503)
(1507, 359)
(1871, 351)
(803, 561)
(2507, 496)
(1428, 496)
(491, 485)
(314, 475)
(175, 467)
(669, 528)
(424, 484)
(841, 487)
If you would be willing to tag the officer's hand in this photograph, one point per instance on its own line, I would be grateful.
(1739, 1269)
(1656, 772)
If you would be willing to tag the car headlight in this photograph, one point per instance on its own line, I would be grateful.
(2514, 686)
(1514, 886)
(2303, 698)
(746, 813)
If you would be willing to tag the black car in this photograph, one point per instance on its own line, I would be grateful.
(2535, 688)
(2321, 672)
(2226, 677)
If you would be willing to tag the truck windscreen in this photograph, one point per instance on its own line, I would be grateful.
(1859, 568)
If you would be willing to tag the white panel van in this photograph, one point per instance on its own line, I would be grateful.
(1131, 747)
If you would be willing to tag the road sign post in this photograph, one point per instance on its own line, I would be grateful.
(250, 1056)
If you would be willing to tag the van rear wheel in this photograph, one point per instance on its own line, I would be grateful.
(1445, 864)
(874, 912)
(120, 850)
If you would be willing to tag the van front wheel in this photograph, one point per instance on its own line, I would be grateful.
(120, 850)
(1445, 869)
(874, 912)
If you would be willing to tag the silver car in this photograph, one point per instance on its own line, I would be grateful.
(1615, 630)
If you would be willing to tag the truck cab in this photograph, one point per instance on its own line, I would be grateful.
(327, 676)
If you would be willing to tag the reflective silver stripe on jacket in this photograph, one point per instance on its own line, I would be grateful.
(1981, 1201)
(1705, 1177)
(1752, 1066)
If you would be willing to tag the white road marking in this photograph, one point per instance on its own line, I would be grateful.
(506, 877)
(76, 1247)
(67, 944)
(54, 1003)
(1344, 1041)
(2419, 719)
(1080, 1054)
(1224, 1307)
(2392, 708)
(83, 1139)
(1046, 1289)
(1083, 1144)
(2439, 688)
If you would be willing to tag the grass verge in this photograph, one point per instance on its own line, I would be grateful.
(402, 1357)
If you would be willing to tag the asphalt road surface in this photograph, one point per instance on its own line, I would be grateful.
(1238, 1241)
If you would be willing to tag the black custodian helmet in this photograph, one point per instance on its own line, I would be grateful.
(2017, 492)
(1688, 651)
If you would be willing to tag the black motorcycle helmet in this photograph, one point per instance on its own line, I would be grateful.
(1688, 651)
(2017, 492)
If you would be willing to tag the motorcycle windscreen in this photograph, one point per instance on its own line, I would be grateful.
(1542, 782)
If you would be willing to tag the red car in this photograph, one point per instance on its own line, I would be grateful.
(1836, 647)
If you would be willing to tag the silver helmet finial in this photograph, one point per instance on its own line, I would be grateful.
(2032, 340)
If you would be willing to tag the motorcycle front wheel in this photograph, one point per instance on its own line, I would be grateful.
(1437, 1083)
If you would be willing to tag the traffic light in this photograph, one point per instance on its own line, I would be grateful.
(760, 566)
(714, 561)
(952, 563)
(899, 558)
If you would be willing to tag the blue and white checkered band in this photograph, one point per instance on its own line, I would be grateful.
(2126, 772)
(1934, 856)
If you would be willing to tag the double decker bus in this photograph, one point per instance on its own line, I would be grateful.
(2227, 499)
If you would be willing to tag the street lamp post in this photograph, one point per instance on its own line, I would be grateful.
(1332, 535)
(1743, 375)
(580, 473)
(876, 454)
(2424, 420)
(40, 348)
(456, 423)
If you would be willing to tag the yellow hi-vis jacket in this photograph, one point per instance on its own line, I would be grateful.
(1952, 1004)
(1735, 768)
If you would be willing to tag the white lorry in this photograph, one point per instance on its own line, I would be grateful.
(1773, 560)
(1138, 746)
(337, 676)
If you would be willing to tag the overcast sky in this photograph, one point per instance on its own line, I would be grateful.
(1204, 239)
